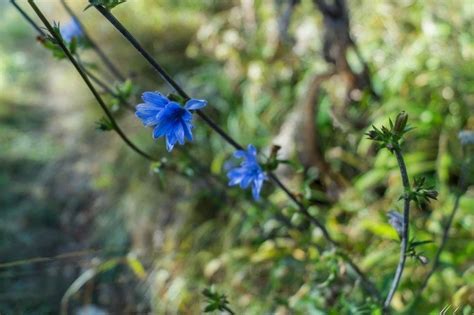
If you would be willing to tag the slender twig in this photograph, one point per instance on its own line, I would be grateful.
(405, 227)
(28, 18)
(162, 72)
(89, 84)
(199, 166)
(105, 86)
(108, 63)
(93, 77)
(169, 80)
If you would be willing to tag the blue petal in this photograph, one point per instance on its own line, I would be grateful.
(155, 98)
(187, 116)
(246, 181)
(235, 176)
(71, 30)
(160, 131)
(170, 142)
(169, 114)
(252, 150)
(194, 104)
(187, 130)
(179, 133)
(239, 154)
(147, 113)
(256, 187)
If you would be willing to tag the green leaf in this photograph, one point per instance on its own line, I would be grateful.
(108, 4)
(136, 266)
(104, 124)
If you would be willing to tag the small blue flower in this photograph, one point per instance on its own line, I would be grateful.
(168, 118)
(249, 172)
(396, 220)
(70, 30)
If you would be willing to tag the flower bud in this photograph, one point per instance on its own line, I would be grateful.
(400, 123)
(422, 259)
(433, 194)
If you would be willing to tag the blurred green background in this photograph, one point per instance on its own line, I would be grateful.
(88, 226)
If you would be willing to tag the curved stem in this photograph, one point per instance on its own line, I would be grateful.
(108, 63)
(89, 84)
(405, 228)
(93, 77)
(167, 78)
(163, 74)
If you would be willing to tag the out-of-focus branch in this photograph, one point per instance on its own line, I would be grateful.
(84, 76)
(108, 63)
(460, 190)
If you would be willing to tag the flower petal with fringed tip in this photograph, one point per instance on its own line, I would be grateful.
(169, 119)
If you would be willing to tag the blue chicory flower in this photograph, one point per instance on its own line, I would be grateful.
(168, 118)
(396, 220)
(249, 172)
(70, 30)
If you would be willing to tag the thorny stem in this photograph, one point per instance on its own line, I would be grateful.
(88, 83)
(112, 68)
(167, 78)
(405, 227)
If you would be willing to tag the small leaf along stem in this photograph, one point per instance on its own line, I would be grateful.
(169, 80)
(93, 77)
(405, 226)
(89, 83)
(104, 85)
(198, 165)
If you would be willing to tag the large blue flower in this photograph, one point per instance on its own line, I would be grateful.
(249, 172)
(70, 30)
(168, 118)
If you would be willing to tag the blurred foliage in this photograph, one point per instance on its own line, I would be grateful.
(65, 186)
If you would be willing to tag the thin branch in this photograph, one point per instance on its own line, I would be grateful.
(28, 18)
(199, 166)
(112, 68)
(93, 77)
(459, 193)
(167, 78)
(104, 86)
(443, 242)
(405, 227)
(89, 84)
(164, 75)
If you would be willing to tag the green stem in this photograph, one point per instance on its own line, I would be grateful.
(168, 79)
(88, 83)
(112, 68)
(461, 188)
(405, 227)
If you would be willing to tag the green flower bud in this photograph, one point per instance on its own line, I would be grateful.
(400, 123)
